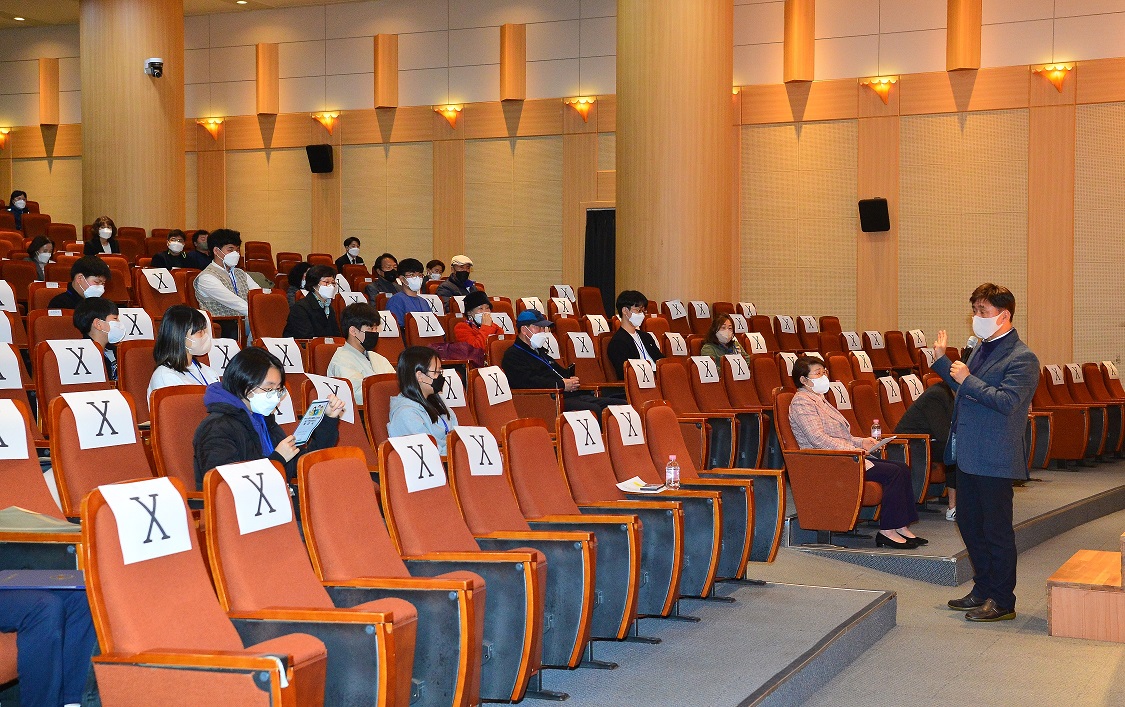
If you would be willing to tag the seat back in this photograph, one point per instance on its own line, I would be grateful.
(50, 324)
(738, 383)
(537, 479)
(19, 275)
(589, 476)
(662, 435)
(891, 402)
(808, 329)
(585, 355)
(377, 393)
(641, 386)
(785, 361)
(185, 283)
(257, 249)
(1092, 372)
(897, 351)
(829, 344)
(761, 324)
(915, 343)
(48, 379)
(830, 325)
(427, 332)
(488, 503)
(781, 417)
(35, 225)
(1076, 384)
(135, 366)
(785, 330)
(675, 313)
(708, 390)
(699, 317)
(18, 329)
(21, 480)
(174, 410)
(491, 415)
(1042, 398)
(39, 294)
(320, 352)
(865, 405)
(62, 232)
(675, 386)
(875, 344)
(590, 301)
(268, 311)
(351, 434)
(629, 460)
(766, 379)
(286, 260)
(863, 366)
(155, 244)
(1056, 384)
(1111, 379)
(840, 369)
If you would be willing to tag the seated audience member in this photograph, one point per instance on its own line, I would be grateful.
(419, 408)
(104, 238)
(173, 256)
(96, 319)
(17, 206)
(54, 641)
(720, 340)
(477, 325)
(200, 255)
(182, 339)
(296, 281)
(357, 359)
(931, 414)
(222, 287)
(239, 426)
(408, 300)
(435, 269)
(629, 341)
(351, 254)
(40, 252)
(818, 425)
(88, 278)
(312, 315)
(458, 284)
(529, 365)
(386, 279)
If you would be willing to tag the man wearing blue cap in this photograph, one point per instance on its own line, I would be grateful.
(528, 364)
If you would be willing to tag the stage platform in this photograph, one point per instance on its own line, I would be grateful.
(775, 645)
(1052, 503)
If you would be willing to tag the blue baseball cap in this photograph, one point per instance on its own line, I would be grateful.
(532, 317)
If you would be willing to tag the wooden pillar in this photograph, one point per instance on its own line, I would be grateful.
(675, 236)
(580, 187)
(449, 196)
(876, 288)
(513, 62)
(48, 91)
(132, 123)
(962, 34)
(267, 75)
(386, 71)
(211, 179)
(800, 33)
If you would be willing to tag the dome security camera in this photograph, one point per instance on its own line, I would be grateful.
(154, 67)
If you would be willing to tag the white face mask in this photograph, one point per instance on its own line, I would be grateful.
(94, 291)
(43, 257)
(265, 403)
(116, 332)
(105, 233)
(820, 385)
(724, 336)
(231, 259)
(199, 347)
(435, 276)
(414, 283)
(478, 318)
(354, 252)
(175, 247)
(326, 292)
(19, 203)
(538, 340)
(637, 318)
(985, 327)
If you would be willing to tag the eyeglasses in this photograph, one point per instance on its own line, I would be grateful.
(279, 389)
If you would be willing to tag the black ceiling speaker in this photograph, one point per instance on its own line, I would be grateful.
(320, 158)
(873, 215)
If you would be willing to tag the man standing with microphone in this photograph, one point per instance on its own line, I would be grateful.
(986, 440)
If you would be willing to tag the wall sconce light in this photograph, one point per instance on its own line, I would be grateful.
(582, 104)
(211, 125)
(450, 113)
(880, 85)
(327, 119)
(4, 138)
(1055, 73)
(735, 90)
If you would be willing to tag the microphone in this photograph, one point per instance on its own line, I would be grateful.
(970, 345)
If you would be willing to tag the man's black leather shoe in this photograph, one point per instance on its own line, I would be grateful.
(991, 612)
(967, 602)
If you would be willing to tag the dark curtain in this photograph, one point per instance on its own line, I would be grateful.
(601, 253)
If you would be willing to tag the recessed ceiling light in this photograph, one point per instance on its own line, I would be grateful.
(239, 2)
(18, 19)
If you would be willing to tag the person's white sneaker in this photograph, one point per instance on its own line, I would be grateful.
(951, 514)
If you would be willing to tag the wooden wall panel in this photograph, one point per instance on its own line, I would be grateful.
(513, 62)
(962, 34)
(1103, 81)
(267, 82)
(818, 100)
(383, 125)
(48, 91)
(799, 53)
(512, 119)
(606, 114)
(940, 92)
(46, 141)
(211, 190)
(877, 266)
(56, 183)
(386, 70)
(580, 185)
(607, 186)
(257, 132)
(449, 196)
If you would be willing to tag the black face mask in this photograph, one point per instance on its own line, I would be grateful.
(390, 275)
(370, 340)
(438, 384)
(461, 276)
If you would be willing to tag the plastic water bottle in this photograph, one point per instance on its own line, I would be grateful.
(876, 430)
(672, 473)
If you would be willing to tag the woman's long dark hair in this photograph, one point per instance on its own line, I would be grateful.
(178, 323)
(717, 321)
(410, 361)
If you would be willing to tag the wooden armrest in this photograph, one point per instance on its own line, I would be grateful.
(507, 556)
(20, 537)
(347, 616)
(681, 492)
(606, 519)
(213, 659)
(533, 535)
(435, 583)
(660, 505)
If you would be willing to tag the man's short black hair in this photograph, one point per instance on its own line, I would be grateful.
(222, 237)
(381, 258)
(410, 265)
(90, 309)
(349, 240)
(358, 315)
(630, 298)
(89, 266)
(315, 274)
(200, 234)
(998, 296)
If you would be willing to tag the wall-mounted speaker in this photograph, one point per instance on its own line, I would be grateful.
(873, 215)
(320, 158)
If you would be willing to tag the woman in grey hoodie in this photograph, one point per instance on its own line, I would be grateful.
(419, 408)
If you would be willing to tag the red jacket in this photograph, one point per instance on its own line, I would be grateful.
(476, 336)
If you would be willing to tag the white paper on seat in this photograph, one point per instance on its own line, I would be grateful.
(706, 368)
(533, 303)
(563, 305)
(676, 309)
(454, 391)
(388, 325)
(566, 291)
(1056, 374)
(790, 358)
(482, 450)
(853, 340)
(80, 361)
(840, 392)
(222, 351)
(748, 309)
(261, 496)
(811, 325)
(495, 384)
(629, 425)
(930, 356)
(1076, 373)
(102, 418)
(552, 346)
(739, 371)
(1110, 368)
(702, 309)
(436, 305)
(583, 344)
(919, 338)
(284, 414)
(137, 323)
(151, 519)
(740, 326)
(646, 375)
(13, 431)
(7, 298)
(459, 300)
(913, 385)
(890, 386)
(342, 283)
(160, 279)
(421, 463)
(788, 326)
(505, 322)
(428, 325)
(287, 351)
(587, 432)
(326, 386)
(814, 354)
(598, 324)
(679, 346)
(353, 297)
(757, 343)
(864, 361)
(876, 339)
(5, 329)
(9, 367)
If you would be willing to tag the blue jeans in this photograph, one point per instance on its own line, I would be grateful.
(55, 639)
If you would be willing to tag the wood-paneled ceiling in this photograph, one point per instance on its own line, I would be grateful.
(65, 12)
